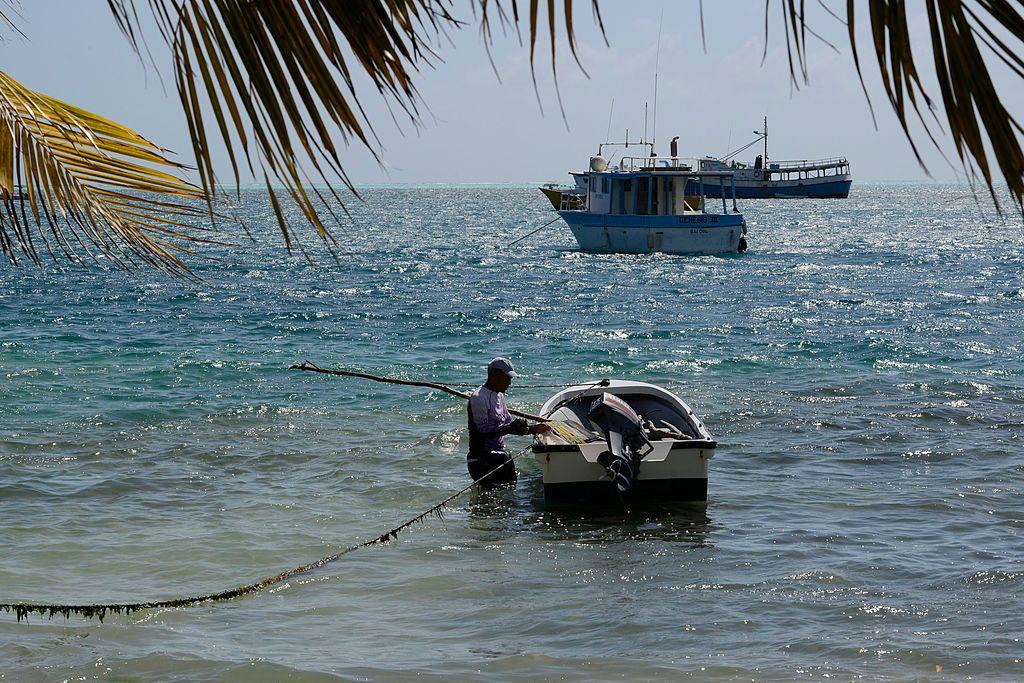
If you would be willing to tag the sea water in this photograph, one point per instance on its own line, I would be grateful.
(860, 368)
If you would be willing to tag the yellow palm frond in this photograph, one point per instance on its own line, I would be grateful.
(276, 81)
(77, 183)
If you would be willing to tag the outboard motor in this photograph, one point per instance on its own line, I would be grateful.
(624, 432)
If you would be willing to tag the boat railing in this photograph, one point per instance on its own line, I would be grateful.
(804, 164)
(654, 163)
(570, 201)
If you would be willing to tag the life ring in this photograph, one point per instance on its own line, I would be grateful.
(742, 246)
(757, 174)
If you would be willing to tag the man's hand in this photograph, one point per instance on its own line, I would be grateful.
(519, 427)
(541, 428)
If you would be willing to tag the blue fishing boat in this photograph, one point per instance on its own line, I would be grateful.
(765, 179)
(653, 204)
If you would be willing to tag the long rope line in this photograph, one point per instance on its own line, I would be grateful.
(532, 232)
(100, 610)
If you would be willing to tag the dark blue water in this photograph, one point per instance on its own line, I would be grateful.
(860, 366)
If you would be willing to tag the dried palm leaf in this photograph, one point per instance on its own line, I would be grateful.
(276, 81)
(974, 112)
(74, 182)
(6, 22)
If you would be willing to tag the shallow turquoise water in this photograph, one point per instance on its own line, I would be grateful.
(860, 366)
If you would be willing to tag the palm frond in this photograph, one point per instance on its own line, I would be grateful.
(8, 10)
(976, 118)
(74, 182)
(275, 82)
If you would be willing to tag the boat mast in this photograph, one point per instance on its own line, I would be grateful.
(766, 141)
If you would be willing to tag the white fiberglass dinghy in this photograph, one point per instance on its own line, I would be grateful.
(623, 439)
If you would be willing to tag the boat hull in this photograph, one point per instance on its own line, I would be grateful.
(555, 196)
(832, 188)
(652, 490)
(673, 471)
(629, 234)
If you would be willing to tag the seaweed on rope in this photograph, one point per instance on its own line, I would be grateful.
(22, 610)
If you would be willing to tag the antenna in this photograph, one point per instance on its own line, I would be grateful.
(608, 130)
(657, 63)
(645, 123)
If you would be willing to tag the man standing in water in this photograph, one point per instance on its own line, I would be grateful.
(490, 421)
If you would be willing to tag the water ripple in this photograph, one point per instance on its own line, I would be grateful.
(860, 367)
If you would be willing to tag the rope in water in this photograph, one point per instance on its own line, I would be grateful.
(532, 232)
(100, 610)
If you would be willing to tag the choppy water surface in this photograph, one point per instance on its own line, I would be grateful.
(860, 366)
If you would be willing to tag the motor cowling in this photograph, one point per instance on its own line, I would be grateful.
(624, 433)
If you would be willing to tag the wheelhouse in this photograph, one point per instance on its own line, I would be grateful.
(656, 186)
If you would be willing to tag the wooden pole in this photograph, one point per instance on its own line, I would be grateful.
(311, 367)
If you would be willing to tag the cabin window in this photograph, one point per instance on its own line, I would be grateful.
(593, 184)
(604, 185)
(643, 186)
(627, 185)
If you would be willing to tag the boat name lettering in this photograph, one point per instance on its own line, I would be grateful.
(698, 219)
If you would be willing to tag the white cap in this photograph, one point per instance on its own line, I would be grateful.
(504, 366)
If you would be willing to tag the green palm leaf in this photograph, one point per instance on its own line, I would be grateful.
(974, 112)
(276, 81)
(283, 71)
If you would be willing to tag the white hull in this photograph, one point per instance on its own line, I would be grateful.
(688, 234)
(674, 469)
(662, 463)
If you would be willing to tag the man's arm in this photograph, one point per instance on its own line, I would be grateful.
(496, 422)
(518, 426)
(489, 420)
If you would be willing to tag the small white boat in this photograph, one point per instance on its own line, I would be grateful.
(620, 439)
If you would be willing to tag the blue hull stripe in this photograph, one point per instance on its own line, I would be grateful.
(833, 189)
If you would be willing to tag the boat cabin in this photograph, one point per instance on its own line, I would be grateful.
(654, 186)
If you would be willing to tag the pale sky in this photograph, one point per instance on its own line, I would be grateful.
(483, 131)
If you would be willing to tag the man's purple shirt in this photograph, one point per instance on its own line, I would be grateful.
(490, 415)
